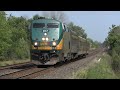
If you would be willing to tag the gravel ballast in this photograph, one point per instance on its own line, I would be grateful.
(66, 71)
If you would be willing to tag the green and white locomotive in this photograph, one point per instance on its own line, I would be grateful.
(52, 42)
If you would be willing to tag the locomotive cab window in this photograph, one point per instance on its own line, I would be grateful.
(38, 25)
(52, 25)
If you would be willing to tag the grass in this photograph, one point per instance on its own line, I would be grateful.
(11, 62)
(101, 70)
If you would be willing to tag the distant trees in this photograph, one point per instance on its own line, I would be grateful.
(79, 30)
(94, 44)
(36, 16)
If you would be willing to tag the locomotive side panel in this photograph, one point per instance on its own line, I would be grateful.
(74, 44)
(66, 45)
(80, 46)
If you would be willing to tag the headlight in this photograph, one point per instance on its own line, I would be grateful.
(35, 43)
(43, 39)
(45, 34)
(54, 43)
(46, 39)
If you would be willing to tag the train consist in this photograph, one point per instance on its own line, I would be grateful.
(52, 42)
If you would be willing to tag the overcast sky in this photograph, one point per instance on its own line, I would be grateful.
(95, 23)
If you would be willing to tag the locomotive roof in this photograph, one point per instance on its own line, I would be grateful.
(46, 20)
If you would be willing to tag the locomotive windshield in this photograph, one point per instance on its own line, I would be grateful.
(46, 28)
(52, 25)
(38, 25)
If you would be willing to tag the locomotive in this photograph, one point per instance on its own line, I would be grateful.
(53, 42)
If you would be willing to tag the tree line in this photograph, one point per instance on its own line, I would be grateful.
(14, 34)
(113, 44)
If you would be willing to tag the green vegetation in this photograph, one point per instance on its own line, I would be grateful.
(14, 43)
(79, 30)
(100, 70)
(113, 41)
(94, 44)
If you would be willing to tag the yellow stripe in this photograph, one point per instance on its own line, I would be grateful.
(58, 47)
(42, 48)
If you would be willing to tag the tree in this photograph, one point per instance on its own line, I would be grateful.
(79, 30)
(35, 17)
(113, 38)
(113, 41)
(5, 35)
(19, 35)
(93, 44)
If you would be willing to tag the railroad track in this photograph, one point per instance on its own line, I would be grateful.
(32, 72)
(25, 73)
(39, 72)
(9, 73)
(15, 65)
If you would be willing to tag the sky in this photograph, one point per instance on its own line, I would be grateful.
(95, 23)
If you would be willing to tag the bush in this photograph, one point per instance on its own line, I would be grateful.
(22, 49)
(13, 37)
(115, 61)
(101, 70)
